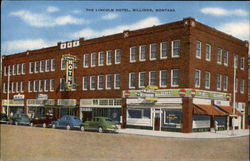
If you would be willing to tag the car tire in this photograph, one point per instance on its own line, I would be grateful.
(100, 130)
(68, 127)
(44, 125)
(31, 124)
(82, 128)
(53, 126)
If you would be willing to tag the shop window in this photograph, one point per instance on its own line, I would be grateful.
(208, 52)
(207, 80)
(139, 113)
(164, 50)
(131, 80)
(101, 58)
(225, 57)
(198, 50)
(201, 121)
(219, 56)
(175, 48)
(152, 78)
(172, 117)
(93, 59)
(86, 60)
(142, 53)
(109, 57)
(117, 56)
(132, 54)
(153, 49)
(103, 102)
(117, 80)
(108, 81)
(53, 64)
(142, 79)
(117, 102)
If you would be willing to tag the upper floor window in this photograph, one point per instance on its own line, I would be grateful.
(52, 84)
(242, 86)
(219, 56)
(40, 85)
(176, 48)
(31, 67)
(218, 82)
(236, 85)
(92, 82)
(117, 56)
(142, 79)
(53, 64)
(47, 65)
(5, 70)
(163, 78)
(109, 57)
(13, 87)
(22, 86)
(197, 78)
(14, 69)
(207, 80)
(86, 60)
(175, 77)
(85, 83)
(242, 62)
(93, 59)
(236, 61)
(35, 85)
(208, 52)
(108, 81)
(19, 69)
(100, 81)
(101, 58)
(9, 70)
(46, 85)
(153, 49)
(30, 86)
(131, 80)
(133, 54)
(42, 66)
(63, 64)
(198, 50)
(142, 54)
(62, 84)
(36, 66)
(225, 57)
(117, 80)
(23, 68)
(152, 78)
(163, 50)
(225, 83)
(4, 88)
(17, 87)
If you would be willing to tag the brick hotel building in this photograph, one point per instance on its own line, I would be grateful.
(175, 77)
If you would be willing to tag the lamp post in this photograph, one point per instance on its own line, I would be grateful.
(234, 105)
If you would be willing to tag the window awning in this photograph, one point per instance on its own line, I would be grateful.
(207, 110)
(229, 110)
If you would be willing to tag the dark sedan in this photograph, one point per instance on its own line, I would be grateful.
(3, 118)
(20, 118)
(44, 121)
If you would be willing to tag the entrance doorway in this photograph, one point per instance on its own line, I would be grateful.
(157, 119)
(86, 115)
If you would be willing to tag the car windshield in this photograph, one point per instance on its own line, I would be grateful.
(25, 116)
(108, 120)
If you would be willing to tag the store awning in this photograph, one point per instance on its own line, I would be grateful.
(207, 110)
(229, 110)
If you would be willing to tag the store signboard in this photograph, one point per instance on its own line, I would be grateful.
(42, 96)
(18, 97)
(12, 102)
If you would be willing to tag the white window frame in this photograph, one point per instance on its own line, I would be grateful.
(92, 55)
(63, 68)
(30, 70)
(242, 63)
(12, 87)
(115, 78)
(18, 67)
(160, 80)
(4, 88)
(46, 64)
(220, 76)
(172, 49)
(41, 69)
(140, 52)
(130, 87)
(36, 63)
(17, 87)
(172, 73)
(106, 82)
(130, 55)
(14, 69)
(219, 62)
(34, 85)
(90, 85)
(236, 85)
(99, 58)
(139, 80)
(23, 68)
(109, 52)
(236, 61)
(225, 62)
(9, 70)
(242, 86)
(199, 81)
(5, 71)
(98, 81)
(150, 52)
(225, 83)
(161, 50)
(150, 74)
(61, 85)
(198, 51)
(22, 86)
(84, 61)
(40, 82)
(29, 86)
(46, 82)
(84, 82)
(209, 77)
(116, 61)
(52, 64)
(50, 85)
(209, 52)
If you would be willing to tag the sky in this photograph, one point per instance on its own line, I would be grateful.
(28, 25)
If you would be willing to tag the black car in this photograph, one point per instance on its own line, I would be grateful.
(3, 118)
(20, 118)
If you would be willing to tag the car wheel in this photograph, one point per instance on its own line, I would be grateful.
(44, 125)
(31, 124)
(100, 130)
(53, 126)
(68, 127)
(82, 128)
(16, 123)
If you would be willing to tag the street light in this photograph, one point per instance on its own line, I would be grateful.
(234, 105)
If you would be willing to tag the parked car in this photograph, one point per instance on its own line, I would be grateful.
(20, 118)
(3, 118)
(100, 124)
(68, 122)
(45, 121)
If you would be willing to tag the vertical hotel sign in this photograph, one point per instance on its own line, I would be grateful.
(69, 60)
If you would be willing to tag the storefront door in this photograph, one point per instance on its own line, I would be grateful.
(86, 115)
(157, 119)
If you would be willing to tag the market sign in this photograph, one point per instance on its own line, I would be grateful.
(42, 96)
(18, 97)
(70, 60)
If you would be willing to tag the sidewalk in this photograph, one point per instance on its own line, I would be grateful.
(194, 135)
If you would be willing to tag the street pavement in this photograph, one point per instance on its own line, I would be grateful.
(194, 135)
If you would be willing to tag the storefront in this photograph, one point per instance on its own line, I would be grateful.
(38, 108)
(110, 107)
(12, 106)
(67, 107)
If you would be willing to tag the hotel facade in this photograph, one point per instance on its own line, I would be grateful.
(175, 77)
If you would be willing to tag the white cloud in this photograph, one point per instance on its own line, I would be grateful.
(90, 33)
(52, 9)
(110, 16)
(10, 47)
(217, 11)
(76, 11)
(239, 29)
(44, 20)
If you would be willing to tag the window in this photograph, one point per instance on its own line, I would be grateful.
(93, 59)
(13, 87)
(225, 83)
(22, 86)
(85, 82)
(86, 60)
(9, 70)
(63, 64)
(152, 54)
(40, 85)
(242, 62)
(46, 85)
(131, 80)
(74, 84)
(14, 69)
(35, 85)
(219, 56)
(117, 79)
(30, 88)
(5, 71)
(19, 69)
(207, 80)
(152, 78)
(31, 67)
(142, 79)
(42, 66)
(92, 82)
(163, 78)
(100, 82)
(197, 78)
(4, 88)
(175, 48)
(109, 57)
(218, 82)
(53, 64)
(236, 61)
(47, 65)
(139, 113)
(101, 58)
(52, 84)
(36, 66)
(62, 84)
(117, 56)
(236, 85)
(108, 81)
(208, 52)
(225, 57)
(242, 86)
(23, 68)
(198, 50)
(172, 118)
(175, 76)
(142, 54)
(17, 87)
(163, 50)
(132, 54)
